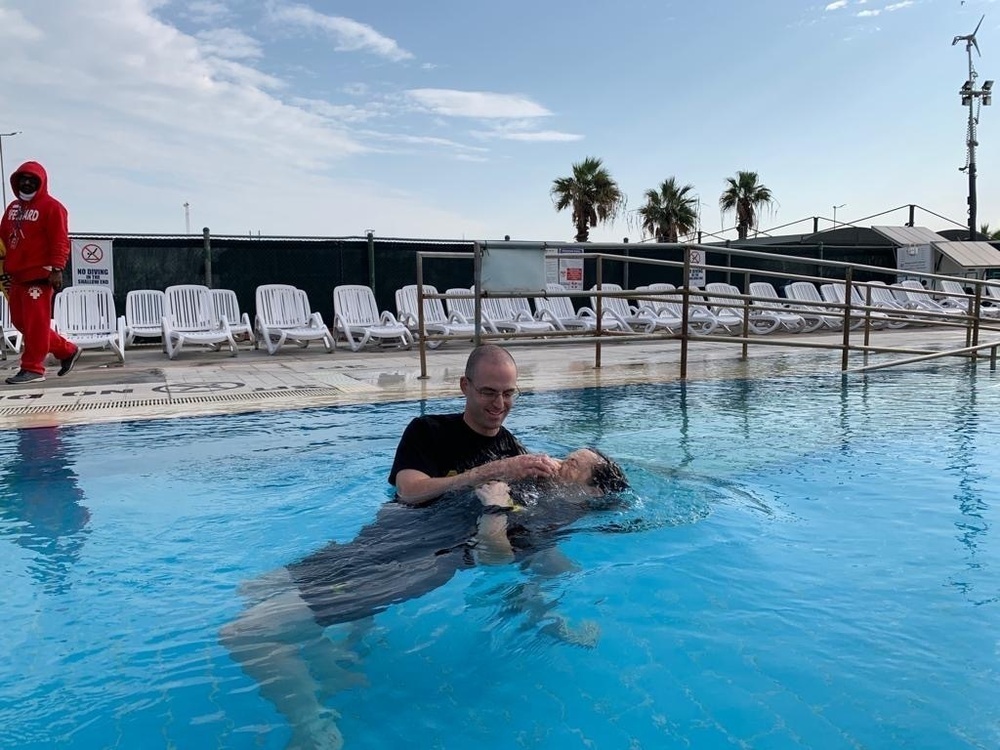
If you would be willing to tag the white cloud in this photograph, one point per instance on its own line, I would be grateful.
(229, 43)
(868, 13)
(347, 113)
(481, 104)
(836, 5)
(348, 35)
(898, 6)
(207, 11)
(549, 136)
(134, 117)
(13, 25)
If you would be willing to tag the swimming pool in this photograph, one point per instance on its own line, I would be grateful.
(816, 567)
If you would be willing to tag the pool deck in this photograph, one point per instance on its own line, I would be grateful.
(199, 382)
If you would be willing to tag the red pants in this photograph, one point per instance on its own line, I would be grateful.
(31, 314)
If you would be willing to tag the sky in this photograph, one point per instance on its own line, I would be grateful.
(450, 119)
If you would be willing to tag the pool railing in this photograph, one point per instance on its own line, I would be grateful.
(862, 318)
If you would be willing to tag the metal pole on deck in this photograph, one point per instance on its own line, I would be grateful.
(370, 235)
(847, 320)
(207, 243)
(600, 312)
(686, 302)
(420, 317)
(477, 287)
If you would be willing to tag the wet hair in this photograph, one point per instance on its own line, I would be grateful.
(484, 352)
(609, 477)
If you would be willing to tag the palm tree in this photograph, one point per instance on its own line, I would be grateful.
(670, 211)
(746, 196)
(592, 193)
(992, 235)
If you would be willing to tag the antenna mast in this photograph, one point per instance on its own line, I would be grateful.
(972, 98)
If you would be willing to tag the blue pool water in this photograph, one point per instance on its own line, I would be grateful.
(813, 565)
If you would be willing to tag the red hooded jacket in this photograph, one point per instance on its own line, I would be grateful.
(35, 232)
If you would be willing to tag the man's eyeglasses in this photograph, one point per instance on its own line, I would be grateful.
(492, 394)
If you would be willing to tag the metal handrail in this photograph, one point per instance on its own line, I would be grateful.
(972, 320)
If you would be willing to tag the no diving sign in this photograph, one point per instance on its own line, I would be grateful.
(92, 263)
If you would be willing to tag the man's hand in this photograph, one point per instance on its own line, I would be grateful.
(55, 279)
(522, 467)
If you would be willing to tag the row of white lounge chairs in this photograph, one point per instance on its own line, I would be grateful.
(717, 308)
(191, 314)
(196, 315)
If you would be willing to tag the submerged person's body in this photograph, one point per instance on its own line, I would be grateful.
(404, 553)
(407, 552)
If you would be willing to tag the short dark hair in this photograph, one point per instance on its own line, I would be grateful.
(486, 352)
(609, 477)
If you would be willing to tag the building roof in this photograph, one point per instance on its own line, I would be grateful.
(904, 236)
(969, 254)
(965, 253)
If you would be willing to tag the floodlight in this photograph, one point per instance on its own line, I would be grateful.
(987, 85)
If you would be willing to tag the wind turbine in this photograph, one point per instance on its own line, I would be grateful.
(969, 39)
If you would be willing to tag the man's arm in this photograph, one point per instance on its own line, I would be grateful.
(414, 487)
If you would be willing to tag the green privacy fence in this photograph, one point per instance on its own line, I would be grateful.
(318, 264)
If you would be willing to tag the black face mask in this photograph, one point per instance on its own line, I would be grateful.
(27, 183)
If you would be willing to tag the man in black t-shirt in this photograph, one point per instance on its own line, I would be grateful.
(440, 453)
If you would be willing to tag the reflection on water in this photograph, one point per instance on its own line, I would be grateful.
(972, 527)
(40, 506)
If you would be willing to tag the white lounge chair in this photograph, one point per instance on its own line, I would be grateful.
(967, 302)
(765, 296)
(913, 291)
(640, 320)
(992, 290)
(284, 315)
(86, 316)
(669, 307)
(515, 313)
(228, 306)
(461, 303)
(143, 315)
(813, 304)
(760, 320)
(11, 337)
(189, 317)
(560, 313)
(436, 320)
(897, 307)
(356, 314)
(665, 310)
(836, 293)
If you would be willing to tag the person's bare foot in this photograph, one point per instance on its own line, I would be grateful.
(318, 733)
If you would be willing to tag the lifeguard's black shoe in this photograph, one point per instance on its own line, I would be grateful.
(69, 362)
(25, 376)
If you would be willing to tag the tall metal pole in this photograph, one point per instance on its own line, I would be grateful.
(3, 171)
(973, 98)
(972, 145)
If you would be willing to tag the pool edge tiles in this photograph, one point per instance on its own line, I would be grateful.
(144, 401)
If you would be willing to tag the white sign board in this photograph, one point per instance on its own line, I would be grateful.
(92, 263)
(696, 257)
(567, 271)
(513, 269)
(917, 258)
